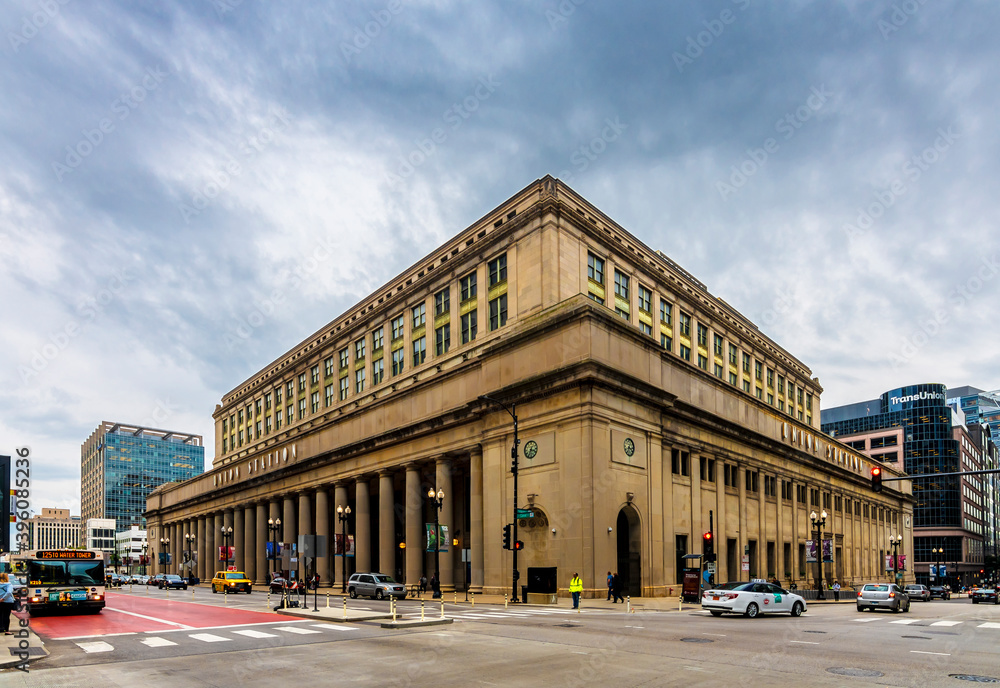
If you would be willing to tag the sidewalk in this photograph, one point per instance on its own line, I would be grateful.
(23, 646)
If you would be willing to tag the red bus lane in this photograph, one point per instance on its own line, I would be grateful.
(134, 614)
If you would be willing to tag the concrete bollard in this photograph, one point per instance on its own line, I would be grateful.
(473, 595)
(505, 600)
(454, 597)
(327, 600)
(442, 609)
(421, 610)
(628, 604)
(268, 602)
(345, 607)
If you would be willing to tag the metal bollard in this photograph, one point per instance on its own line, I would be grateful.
(473, 595)
(442, 609)
(268, 602)
(505, 600)
(392, 603)
(454, 597)
(421, 610)
(327, 600)
(345, 607)
(679, 600)
(628, 604)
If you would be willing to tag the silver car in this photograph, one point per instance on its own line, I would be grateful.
(883, 596)
(918, 592)
(377, 585)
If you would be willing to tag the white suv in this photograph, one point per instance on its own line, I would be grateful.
(377, 585)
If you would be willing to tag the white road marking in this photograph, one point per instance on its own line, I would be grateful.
(946, 623)
(577, 652)
(156, 641)
(693, 668)
(209, 638)
(802, 642)
(335, 627)
(150, 618)
(241, 625)
(922, 652)
(720, 635)
(906, 622)
(865, 620)
(294, 629)
(989, 624)
(97, 646)
(256, 634)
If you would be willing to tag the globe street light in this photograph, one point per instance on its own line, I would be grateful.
(437, 501)
(164, 545)
(227, 536)
(190, 537)
(895, 541)
(818, 523)
(145, 556)
(273, 526)
(937, 552)
(343, 513)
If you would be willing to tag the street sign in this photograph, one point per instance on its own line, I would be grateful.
(524, 513)
(746, 562)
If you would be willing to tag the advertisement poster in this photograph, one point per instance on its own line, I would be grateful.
(901, 561)
(166, 558)
(811, 551)
(432, 538)
(828, 551)
(338, 547)
(274, 550)
(227, 553)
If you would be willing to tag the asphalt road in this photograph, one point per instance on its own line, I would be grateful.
(831, 645)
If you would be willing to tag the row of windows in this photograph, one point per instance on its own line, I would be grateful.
(265, 415)
(795, 399)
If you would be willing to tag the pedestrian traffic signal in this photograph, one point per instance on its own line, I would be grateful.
(506, 536)
(518, 544)
(707, 547)
(876, 479)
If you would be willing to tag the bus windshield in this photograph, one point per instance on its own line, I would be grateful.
(65, 572)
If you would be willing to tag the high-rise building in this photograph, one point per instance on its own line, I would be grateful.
(915, 429)
(53, 529)
(129, 546)
(120, 464)
(979, 407)
(99, 533)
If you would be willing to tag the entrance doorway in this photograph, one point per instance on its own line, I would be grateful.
(629, 551)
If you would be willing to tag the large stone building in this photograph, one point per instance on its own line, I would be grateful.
(53, 529)
(647, 410)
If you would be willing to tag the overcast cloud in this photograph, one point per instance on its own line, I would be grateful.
(828, 168)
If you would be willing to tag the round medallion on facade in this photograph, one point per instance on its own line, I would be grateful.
(629, 446)
(530, 449)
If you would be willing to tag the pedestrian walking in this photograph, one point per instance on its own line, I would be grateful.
(611, 579)
(616, 588)
(575, 588)
(436, 585)
(836, 591)
(423, 584)
(6, 603)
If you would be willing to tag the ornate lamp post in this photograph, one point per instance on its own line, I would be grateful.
(164, 551)
(190, 538)
(437, 501)
(145, 556)
(895, 541)
(273, 526)
(227, 537)
(343, 513)
(937, 552)
(818, 523)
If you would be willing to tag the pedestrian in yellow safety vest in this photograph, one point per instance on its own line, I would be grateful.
(575, 588)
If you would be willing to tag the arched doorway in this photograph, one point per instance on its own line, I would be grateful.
(630, 551)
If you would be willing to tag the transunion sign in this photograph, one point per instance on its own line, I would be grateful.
(917, 393)
(915, 397)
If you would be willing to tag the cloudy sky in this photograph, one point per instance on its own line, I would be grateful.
(829, 168)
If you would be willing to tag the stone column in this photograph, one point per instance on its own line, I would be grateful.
(202, 549)
(414, 499)
(289, 534)
(260, 553)
(442, 480)
(213, 562)
(305, 528)
(362, 526)
(237, 540)
(340, 500)
(386, 524)
(249, 542)
(476, 540)
(323, 530)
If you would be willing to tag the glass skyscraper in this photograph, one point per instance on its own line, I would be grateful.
(121, 464)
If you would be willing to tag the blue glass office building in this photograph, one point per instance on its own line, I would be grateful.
(121, 464)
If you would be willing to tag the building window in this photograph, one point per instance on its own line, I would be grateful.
(746, 363)
(733, 354)
(781, 384)
(313, 375)
(241, 437)
(666, 313)
(468, 286)
(343, 358)
(786, 490)
(419, 351)
(809, 402)
(498, 270)
(730, 474)
(442, 302)
(702, 336)
(770, 399)
(442, 336)
(733, 379)
(719, 372)
(314, 402)
(359, 381)
(359, 349)
(302, 408)
(378, 339)
(746, 386)
(419, 315)
(345, 386)
(277, 420)
(328, 395)
(685, 325)
(759, 392)
(256, 429)
(267, 424)
(290, 389)
(703, 362)
(707, 469)
(686, 352)
(595, 269)
(770, 486)
(680, 462)
(666, 342)
(621, 293)
(770, 378)
(498, 312)
(398, 359)
(781, 404)
(378, 371)
(751, 481)
(327, 372)
(758, 370)
(717, 345)
(645, 300)
(645, 328)
(397, 328)
(468, 327)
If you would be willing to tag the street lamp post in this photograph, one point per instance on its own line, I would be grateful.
(818, 523)
(273, 526)
(145, 557)
(513, 469)
(343, 513)
(937, 552)
(437, 500)
(164, 545)
(190, 537)
(227, 536)
(895, 541)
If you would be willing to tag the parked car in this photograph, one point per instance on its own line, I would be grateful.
(752, 599)
(231, 581)
(918, 592)
(984, 595)
(141, 579)
(155, 580)
(942, 591)
(883, 596)
(377, 585)
(112, 580)
(173, 581)
(277, 585)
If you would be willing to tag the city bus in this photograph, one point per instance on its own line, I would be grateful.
(68, 580)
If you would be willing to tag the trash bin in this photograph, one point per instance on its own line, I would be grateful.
(524, 594)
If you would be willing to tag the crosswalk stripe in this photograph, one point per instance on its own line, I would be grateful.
(97, 646)
(906, 622)
(865, 620)
(946, 623)
(256, 634)
(209, 638)
(989, 624)
(156, 641)
(295, 629)
(335, 627)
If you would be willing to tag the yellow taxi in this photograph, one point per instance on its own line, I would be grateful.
(231, 581)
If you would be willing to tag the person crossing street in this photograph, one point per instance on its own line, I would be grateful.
(575, 588)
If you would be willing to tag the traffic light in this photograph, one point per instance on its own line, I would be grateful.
(518, 544)
(506, 536)
(876, 479)
(707, 548)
